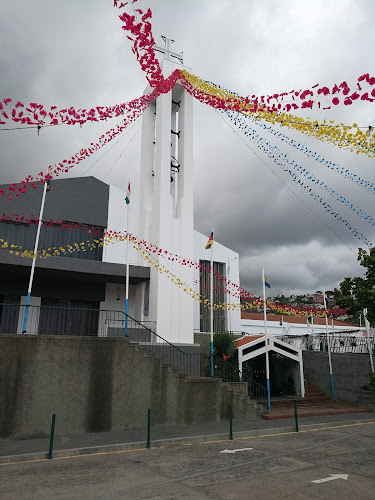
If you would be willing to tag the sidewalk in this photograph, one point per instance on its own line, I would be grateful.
(80, 444)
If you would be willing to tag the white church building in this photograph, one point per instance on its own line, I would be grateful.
(161, 213)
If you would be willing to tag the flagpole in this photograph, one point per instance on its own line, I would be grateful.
(127, 200)
(212, 311)
(34, 258)
(328, 346)
(266, 342)
(367, 325)
(127, 272)
(229, 309)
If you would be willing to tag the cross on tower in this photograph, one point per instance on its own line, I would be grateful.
(167, 52)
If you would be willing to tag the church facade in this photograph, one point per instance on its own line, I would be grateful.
(92, 278)
(161, 213)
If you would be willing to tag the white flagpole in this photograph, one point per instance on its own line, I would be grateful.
(367, 324)
(312, 328)
(228, 294)
(127, 272)
(328, 346)
(34, 258)
(266, 342)
(127, 199)
(212, 311)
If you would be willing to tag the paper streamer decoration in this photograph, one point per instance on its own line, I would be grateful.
(16, 190)
(340, 134)
(295, 96)
(35, 114)
(112, 237)
(253, 300)
(282, 160)
(314, 155)
(303, 171)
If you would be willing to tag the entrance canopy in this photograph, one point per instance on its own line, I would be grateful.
(250, 347)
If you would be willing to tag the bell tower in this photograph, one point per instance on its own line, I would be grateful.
(166, 202)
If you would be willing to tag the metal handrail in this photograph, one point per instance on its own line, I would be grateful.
(93, 322)
(233, 376)
(338, 342)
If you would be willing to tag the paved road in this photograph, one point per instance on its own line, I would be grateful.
(280, 466)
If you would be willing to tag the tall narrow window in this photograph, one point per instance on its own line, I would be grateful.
(218, 296)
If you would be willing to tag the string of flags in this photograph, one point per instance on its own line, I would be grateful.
(314, 155)
(272, 109)
(283, 161)
(17, 189)
(140, 29)
(237, 120)
(252, 301)
(340, 135)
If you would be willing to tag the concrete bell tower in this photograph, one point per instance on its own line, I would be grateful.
(166, 203)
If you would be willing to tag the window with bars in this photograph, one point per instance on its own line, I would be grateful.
(219, 315)
(74, 243)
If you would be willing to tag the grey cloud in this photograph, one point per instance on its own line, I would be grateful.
(75, 53)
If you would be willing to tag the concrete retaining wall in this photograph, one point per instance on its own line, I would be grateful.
(97, 384)
(350, 373)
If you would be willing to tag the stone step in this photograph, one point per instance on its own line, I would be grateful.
(310, 409)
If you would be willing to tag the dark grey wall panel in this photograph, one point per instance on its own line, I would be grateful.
(81, 199)
(350, 373)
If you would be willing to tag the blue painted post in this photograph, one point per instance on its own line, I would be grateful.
(26, 311)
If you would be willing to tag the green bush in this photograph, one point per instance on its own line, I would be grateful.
(224, 343)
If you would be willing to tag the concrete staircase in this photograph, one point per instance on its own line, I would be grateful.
(243, 408)
(206, 399)
(314, 404)
(98, 384)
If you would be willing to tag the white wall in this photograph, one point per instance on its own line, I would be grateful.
(115, 298)
(117, 215)
(256, 327)
(32, 322)
(226, 256)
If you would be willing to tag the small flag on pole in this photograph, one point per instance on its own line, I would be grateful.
(210, 241)
(266, 283)
(127, 199)
(309, 319)
(48, 181)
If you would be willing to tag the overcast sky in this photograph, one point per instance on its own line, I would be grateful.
(74, 53)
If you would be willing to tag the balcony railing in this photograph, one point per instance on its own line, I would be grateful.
(339, 342)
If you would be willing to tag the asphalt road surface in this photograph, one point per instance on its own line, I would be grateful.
(281, 466)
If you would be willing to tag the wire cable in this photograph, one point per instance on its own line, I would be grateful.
(122, 152)
(289, 189)
(113, 145)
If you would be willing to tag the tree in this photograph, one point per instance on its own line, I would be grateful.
(357, 293)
